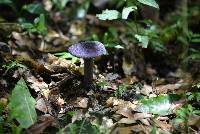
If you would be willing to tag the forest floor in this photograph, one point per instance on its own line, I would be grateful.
(159, 96)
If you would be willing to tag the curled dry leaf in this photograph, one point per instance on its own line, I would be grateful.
(56, 65)
(145, 122)
(167, 88)
(126, 121)
(82, 102)
(37, 85)
(127, 112)
(41, 105)
(138, 116)
(163, 125)
(119, 103)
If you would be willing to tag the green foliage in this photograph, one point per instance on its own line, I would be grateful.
(120, 90)
(102, 84)
(194, 37)
(60, 4)
(143, 40)
(158, 105)
(65, 55)
(127, 10)
(12, 65)
(82, 8)
(198, 85)
(193, 96)
(80, 127)
(37, 8)
(184, 114)
(110, 39)
(37, 27)
(22, 105)
(192, 56)
(151, 3)
(114, 14)
(143, 36)
(109, 15)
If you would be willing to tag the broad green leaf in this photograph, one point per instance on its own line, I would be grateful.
(108, 15)
(60, 4)
(160, 105)
(66, 55)
(35, 8)
(127, 10)
(151, 3)
(22, 105)
(40, 25)
(144, 40)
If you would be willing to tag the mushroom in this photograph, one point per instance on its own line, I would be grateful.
(87, 50)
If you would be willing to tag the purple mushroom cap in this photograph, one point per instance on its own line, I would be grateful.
(87, 49)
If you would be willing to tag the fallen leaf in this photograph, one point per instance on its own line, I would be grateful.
(81, 102)
(127, 121)
(167, 88)
(127, 112)
(36, 84)
(41, 105)
(44, 121)
(146, 90)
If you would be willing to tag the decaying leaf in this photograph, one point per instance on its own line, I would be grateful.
(41, 106)
(81, 102)
(36, 84)
(44, 121)
(119, 103)
(127, 121)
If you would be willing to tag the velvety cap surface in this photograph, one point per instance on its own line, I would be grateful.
(87, 49)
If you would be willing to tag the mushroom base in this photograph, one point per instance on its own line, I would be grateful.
(88, 72)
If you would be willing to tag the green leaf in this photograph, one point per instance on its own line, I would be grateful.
(66, 55)
(198, 85)
(35, 8)
(82, 127)
(108, 15)
(40, 25)
(127, 10)
(160, 105)
(114, 45)
(144, 40)
(22, 105)
(151, 3)
(60, 4)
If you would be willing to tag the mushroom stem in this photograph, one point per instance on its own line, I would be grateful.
(88, 72)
